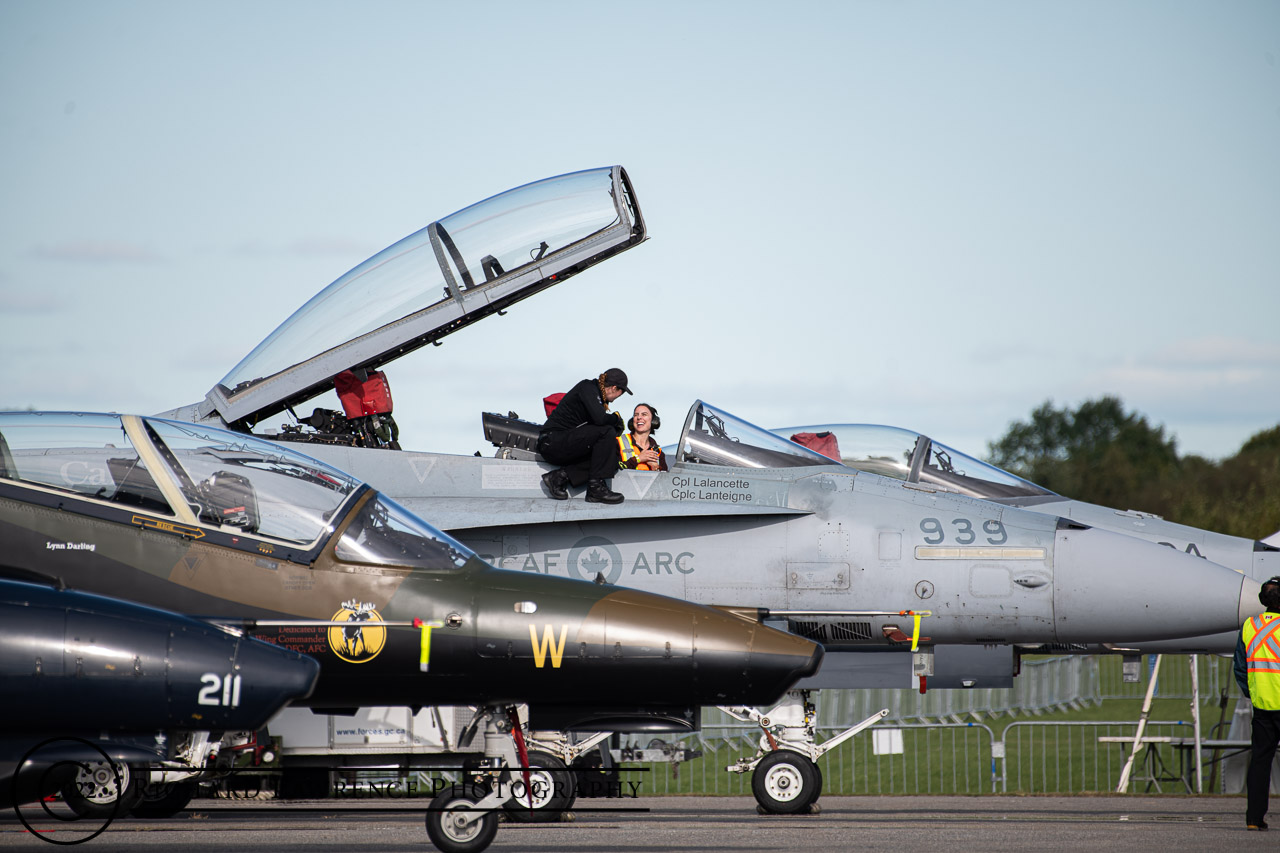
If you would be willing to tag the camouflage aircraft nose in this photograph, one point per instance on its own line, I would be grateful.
(730, 659)
(564, 642)
(1109, 584)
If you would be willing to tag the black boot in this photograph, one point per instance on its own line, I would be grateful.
(557, 482)
(598, 492)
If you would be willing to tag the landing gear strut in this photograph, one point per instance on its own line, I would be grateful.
(527, 785)
(785, 777)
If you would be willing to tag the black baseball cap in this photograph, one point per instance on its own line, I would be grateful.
(616, 376)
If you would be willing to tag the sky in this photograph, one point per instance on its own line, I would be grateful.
(933, 215)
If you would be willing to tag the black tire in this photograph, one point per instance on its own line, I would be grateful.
(450, 838)
(102, 790)
(164, 800)
(553, 790)
(786, 782)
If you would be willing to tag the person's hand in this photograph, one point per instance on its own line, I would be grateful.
(648, 457)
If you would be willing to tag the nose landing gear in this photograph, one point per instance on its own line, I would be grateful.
(785, 777)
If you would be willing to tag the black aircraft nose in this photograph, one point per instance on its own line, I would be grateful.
(217, 680)
(728, 659)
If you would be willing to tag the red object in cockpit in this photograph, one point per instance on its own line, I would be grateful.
(362, 398)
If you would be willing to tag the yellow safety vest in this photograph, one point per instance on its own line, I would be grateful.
(1261, 636)
(629, 451)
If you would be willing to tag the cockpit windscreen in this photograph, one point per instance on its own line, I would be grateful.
(712, 436)
(386, 534)
(915, 458)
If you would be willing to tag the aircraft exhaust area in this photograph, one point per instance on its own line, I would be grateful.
(1004, 824)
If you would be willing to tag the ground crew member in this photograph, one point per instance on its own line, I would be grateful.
(579, 435)
(1257, 671)
(637, 450)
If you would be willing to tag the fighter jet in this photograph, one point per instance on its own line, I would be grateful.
(914, 458)
(851, 559)
(97, 688)
(262, 539)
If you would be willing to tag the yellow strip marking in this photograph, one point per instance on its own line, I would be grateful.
(168, 526)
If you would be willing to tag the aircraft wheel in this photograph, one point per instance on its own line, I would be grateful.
(164, 800)
(103, 789)
(786, 782)
(448, 833)
(553, 790)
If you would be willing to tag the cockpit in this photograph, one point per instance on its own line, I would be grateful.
(210, 484)
(911, 457)
(712, 436)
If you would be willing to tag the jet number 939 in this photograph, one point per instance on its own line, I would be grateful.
(964, 533)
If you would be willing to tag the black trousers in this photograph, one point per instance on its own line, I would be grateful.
(586, 452)
(1266, 734)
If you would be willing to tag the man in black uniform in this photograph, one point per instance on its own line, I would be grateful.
(581, 436)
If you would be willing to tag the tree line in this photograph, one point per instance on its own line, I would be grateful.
(1102, 454)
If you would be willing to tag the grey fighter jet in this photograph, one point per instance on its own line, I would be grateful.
(853, 559)
(914, 458)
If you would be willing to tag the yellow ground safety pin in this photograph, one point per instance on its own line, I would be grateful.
(915, 615)
(424, 658)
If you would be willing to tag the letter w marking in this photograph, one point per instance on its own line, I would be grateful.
(548, 644)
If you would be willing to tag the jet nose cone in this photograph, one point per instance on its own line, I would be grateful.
(1110, 585)
(753, 664)
(708, 656)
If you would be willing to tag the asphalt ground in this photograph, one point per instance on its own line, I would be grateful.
(889, 824)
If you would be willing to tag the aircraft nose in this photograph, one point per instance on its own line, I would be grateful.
(727, 659)
(753, 664)
(1108, 584)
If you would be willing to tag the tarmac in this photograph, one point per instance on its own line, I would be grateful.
(951, 824)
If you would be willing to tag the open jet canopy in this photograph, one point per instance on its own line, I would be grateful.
(455, 271)
(914, 458)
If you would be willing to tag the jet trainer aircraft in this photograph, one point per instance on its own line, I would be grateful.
(914, 458)
(254, 535)
(743, 518)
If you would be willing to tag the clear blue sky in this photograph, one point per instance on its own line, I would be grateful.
(933, 215)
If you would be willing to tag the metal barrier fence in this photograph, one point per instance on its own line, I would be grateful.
(945, 741)
(1024, 756)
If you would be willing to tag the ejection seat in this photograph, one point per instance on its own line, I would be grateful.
(228, 498)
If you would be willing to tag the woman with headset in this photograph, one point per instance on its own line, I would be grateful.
(637, 448)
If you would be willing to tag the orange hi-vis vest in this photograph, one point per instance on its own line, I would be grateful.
(629, 451)
(1261, 635)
